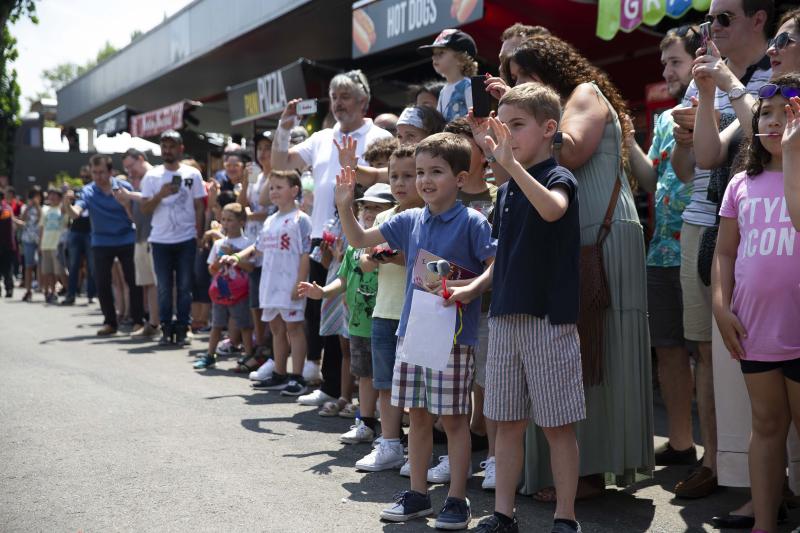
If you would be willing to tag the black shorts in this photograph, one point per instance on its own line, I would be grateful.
(790, 368)
(665, 307)
(254, 287)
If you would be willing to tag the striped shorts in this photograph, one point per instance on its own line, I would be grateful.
(441, 393)
(534, 371)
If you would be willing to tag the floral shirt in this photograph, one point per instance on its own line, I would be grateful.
(671, 198)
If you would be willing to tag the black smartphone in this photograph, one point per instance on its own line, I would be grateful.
(176, 180)
(480, 98)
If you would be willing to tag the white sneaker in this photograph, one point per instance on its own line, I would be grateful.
(441, 472)
(358, 433)
(386, 456)
(264, 372)
(311, 372)
(316, 398)
(488, 466)
(405, 470)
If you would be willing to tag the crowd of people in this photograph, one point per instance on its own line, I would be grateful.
(329, 260)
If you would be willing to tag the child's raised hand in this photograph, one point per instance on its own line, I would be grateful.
(496, 87)
(347, 152)
(501, 149)
(732, 331)
(480, 129)
(309, 290)
(345, 187)
(791, 135)
(463, 295)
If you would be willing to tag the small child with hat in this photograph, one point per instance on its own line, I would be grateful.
(453, 54)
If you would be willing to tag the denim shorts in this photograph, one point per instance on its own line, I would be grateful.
(384, 348)
(30, 251)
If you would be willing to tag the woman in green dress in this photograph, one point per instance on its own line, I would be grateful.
(616, 439)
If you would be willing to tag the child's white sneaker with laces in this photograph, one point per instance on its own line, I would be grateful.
(387, 455)
(359, 432)
(489, 480)
(264, 372)
(441, 472)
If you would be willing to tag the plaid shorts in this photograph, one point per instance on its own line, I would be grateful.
(441, 393)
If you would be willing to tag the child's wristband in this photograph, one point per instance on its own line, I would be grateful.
(238, 259)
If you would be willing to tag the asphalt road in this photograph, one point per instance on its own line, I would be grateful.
(102, 435)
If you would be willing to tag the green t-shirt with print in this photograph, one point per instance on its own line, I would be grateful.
(360, 294)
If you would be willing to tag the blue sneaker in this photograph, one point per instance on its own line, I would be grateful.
(455, 514)
(202, 363)
(408, 505)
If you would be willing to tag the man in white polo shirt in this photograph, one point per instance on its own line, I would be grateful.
(174, 194)
(349, 96)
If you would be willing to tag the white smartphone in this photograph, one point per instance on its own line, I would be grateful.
(307, 107)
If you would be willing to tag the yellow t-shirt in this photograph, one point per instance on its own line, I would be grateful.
(391, 282)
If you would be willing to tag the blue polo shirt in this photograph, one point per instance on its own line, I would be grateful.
(459, 235)
(537, 264)
(111, 225)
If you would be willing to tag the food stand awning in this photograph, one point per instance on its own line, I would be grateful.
(153, 123)
(627, 15)
(382, 24)
(114, 122)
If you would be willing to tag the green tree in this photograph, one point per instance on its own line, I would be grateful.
(10, 12)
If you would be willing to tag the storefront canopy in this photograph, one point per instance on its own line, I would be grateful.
(627, 15)
(114, 122)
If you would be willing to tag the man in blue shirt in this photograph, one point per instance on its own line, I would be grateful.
(113, 237)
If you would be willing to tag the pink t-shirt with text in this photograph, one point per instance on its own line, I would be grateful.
(766, 294)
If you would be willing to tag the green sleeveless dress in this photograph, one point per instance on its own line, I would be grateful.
(616, 438)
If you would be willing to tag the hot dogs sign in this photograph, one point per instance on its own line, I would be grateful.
(382, 24)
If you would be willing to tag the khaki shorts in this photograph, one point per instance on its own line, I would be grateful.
(50, 263)
(143, 264)
(696, 296)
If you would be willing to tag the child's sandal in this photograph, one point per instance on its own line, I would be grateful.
(348, 411)
(332, 408)
(249, 364)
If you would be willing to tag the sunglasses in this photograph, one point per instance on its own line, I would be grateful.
(683, 31)
(724, 19)
(781, 41)
(770, 89)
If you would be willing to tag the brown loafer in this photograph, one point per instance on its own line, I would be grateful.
(106, 330)
(700, 483)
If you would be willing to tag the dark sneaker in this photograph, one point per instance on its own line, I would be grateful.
(209, 361)
(492, 524)
(69, 300)
(295, 387)
(666, 455)
(181, 336)
(167, 332)
(407, 506)
(106, 330)
(561, 526)
(275, 382)
(455, 514)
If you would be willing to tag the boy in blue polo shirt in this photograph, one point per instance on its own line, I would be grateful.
(533, 369)
(462, 236)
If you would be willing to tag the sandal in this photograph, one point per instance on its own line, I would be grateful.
(248, 364)
(348, 411)
(332, 408)
(589, 487)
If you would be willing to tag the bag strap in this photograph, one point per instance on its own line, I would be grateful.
(605, 228)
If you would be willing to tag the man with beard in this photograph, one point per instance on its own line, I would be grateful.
(112, 237)
(655, 174)
(174, 194)
(349, 95)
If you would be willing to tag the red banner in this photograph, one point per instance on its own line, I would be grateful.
(153, 123)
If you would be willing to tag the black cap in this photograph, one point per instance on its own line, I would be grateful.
(454, 40)
(171, 135)
(263, 136)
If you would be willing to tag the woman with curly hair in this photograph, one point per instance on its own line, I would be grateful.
(616, 438)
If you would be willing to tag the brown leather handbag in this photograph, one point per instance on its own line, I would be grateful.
(595, 298)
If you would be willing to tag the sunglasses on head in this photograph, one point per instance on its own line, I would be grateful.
(724, 19)
(781, 40)
(770, 89)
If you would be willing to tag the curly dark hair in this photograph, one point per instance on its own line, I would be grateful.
(757, 155)
(559, 65)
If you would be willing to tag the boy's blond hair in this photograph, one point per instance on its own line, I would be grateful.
(469, 67)
(454, 149)
(535, 98)
(236, 210)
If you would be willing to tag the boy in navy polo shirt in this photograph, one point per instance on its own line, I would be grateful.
(533, 369)
(446, 228)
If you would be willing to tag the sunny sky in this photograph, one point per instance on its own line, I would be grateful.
(74, 30)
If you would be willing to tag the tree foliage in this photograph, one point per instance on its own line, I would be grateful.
(10, 12)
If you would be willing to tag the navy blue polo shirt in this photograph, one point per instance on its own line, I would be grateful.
(459, 235)
(537, 263)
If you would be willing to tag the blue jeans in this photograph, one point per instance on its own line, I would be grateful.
(174, 260)
(79, 245)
